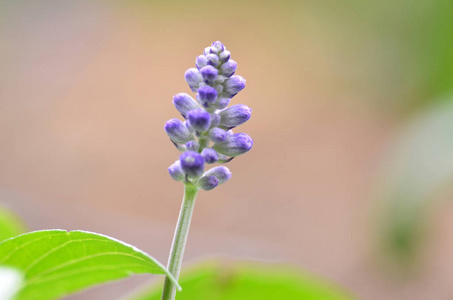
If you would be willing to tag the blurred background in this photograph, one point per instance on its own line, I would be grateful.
(352, 122)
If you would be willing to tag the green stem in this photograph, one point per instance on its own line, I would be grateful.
(179, 240)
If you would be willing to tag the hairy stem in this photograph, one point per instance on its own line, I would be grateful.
(179, 240)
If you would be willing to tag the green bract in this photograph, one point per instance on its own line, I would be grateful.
(54, 263)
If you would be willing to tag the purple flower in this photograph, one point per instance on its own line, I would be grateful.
(235, 115)
(217, 135)
(177, 131)
(235, 145)
(210, 155)
(208, 183)
(209, 74)
(207, 95)
(201, 61)
(193, 78)
(229, 68)
(217, 47)
(215, 120)
(234, 84)
(221, 173)
(183, 103)
(213, 60)
(187, 124)
(192, 146)
(224, 56)
(176, 171)
(229, 133)
(199, 119)
(192, 163)
(222, 102)
(208, 119)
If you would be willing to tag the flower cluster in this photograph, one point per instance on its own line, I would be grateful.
(209, 120)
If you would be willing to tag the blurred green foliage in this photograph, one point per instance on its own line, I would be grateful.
(10, 224)
(403, 49)
(247, 281)
(419, 167)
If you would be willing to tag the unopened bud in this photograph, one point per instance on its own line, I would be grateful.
(209, 74)
(207, 95)
(201, 61)
(177, 131)
(229, 68)
(208, 183)
(234, 84)
(199, 119)
(183, 103)
(235, 115)
(222, 173)
(234, 145)
(192, 146)
(176, 171)
(224, 56)
(193, 78)
(210, 155)
(192, 163)
(217, 135)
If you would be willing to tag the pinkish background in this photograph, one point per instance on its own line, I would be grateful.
(86, 86)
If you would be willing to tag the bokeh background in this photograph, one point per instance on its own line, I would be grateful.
(86, 86)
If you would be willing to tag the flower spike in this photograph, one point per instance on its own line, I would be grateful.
(205, 137)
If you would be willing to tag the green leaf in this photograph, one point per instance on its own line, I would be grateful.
(10, 225)
(247, 281)
(419, 167)
(55, 263)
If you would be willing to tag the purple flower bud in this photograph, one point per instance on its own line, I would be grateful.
(228, 133)
(235, 115)
(193, 78)
(224, 56)
(199, 119)
(229, 68)
(183, 103)
(209, 74)
(187, 124)
(234, 84)
(217, 47)
(210, 155)
(213, 60)
(177, 131)
(207, 50)
(207, 95)
(222, 102)
(234, 145)
(192, 163)
(221, 173)
(201, 61)
(217, 135)
(192, 146)
(176, 171)
(215, 120)
(208, 183)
